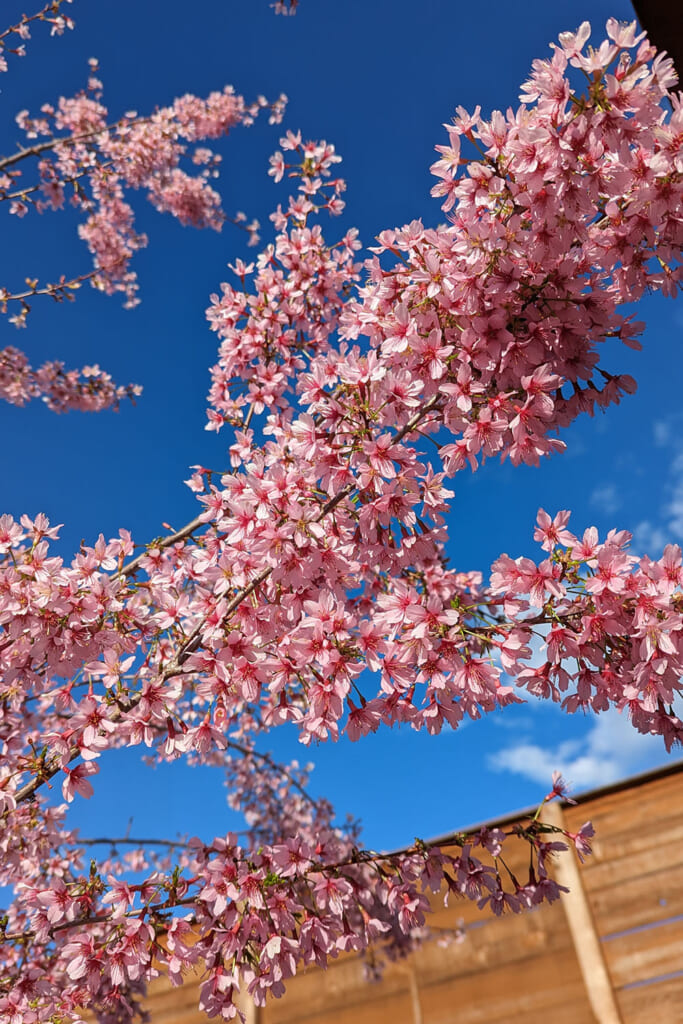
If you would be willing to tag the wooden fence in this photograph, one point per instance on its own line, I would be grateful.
(612, 952)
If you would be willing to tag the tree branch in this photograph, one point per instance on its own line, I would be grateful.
(192, 642)
(67, 140)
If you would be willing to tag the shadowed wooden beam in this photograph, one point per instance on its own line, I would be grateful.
(663, 22)
(582, 928)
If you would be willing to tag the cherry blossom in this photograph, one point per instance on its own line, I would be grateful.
(312, 587)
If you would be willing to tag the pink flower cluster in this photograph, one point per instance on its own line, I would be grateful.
(94, 161)
(313, 586)
(611, 624)
(299, 289)
(88, 390)
(90, 162)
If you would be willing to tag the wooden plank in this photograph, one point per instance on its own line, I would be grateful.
(633, 864)
(651, 797)
(168, 1000)
(516, 939)
(646, 899)
(637, 816)
(180, 1005)
(547, 983)
(309, 994)
(547, 988)
(509, 939)
(582, 927)
(638, 839)
(659, 1003)
(642, 955)
(182, 1015)
(389, 1009)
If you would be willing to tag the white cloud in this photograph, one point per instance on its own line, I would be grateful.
(611, 750)
(662, 431)
(606, 499)
(674, 509)
(651, 537)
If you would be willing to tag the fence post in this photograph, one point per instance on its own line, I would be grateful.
(252, 1013)
(415, 996)
(582, 929)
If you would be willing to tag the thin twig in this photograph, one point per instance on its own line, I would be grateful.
(267, 759)
(163, 542)
(127, 841)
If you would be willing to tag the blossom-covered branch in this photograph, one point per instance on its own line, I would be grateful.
(313, 586)
(89, 389)
(91, 162)
(50, 14)
(311, 897)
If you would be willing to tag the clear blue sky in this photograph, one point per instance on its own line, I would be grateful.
(377, 78)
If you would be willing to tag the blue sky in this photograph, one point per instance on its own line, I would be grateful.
(377, 78)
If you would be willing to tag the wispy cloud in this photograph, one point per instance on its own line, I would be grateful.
(651, 535)
(663, 432)
(675, 506)
(649, 538)
(606, 499)
(611, 750)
